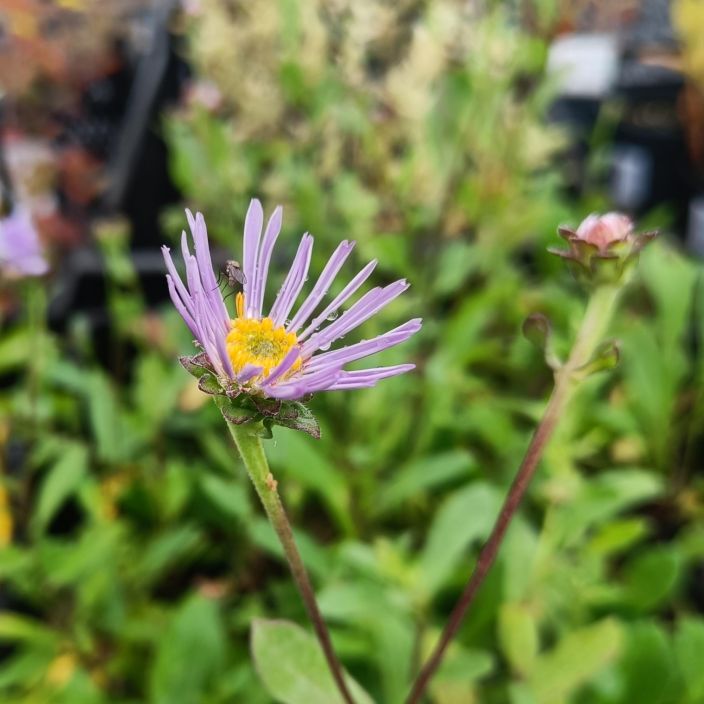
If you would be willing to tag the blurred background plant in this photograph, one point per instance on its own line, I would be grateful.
(449, 139)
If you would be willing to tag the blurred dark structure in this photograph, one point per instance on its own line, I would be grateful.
(635, 110)
(119, 126)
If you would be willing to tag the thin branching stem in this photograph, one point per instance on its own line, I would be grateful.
(594, 323)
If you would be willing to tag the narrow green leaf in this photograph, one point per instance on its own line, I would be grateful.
(466, 516)
(14, 628)
(105, 418)
(518, 635)
(423, 474)
(228, 495)
(61, 481)
(190, 655)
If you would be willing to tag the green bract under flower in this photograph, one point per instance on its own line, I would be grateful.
(239, 408)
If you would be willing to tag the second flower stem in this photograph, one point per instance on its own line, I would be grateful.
(594, 323)
(250, 447)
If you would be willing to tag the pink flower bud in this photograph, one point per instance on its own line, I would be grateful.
(603, 247)
(603, 230)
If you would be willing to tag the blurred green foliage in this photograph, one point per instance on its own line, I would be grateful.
(135, 559)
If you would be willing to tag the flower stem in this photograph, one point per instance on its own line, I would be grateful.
(595, 321)
(250, 447)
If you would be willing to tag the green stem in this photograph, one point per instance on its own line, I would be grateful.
(36, 316)
(250, 447)
(594, 324)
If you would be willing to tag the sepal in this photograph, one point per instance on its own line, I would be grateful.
(197, 365)
(268, 412)
(606, 356)
(209, 384)
(239, 407)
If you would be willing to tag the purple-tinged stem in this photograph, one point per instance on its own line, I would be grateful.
(596, 319)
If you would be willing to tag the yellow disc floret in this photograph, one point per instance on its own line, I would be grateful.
(258, 342)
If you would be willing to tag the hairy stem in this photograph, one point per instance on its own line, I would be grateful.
(594, 323)
(250, 447)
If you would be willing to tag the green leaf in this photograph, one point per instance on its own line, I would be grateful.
(293, 456)
(518, 635)
(607, 495)
(228, 495)
(156, 389)
(457, 261)
(61, 481)
(14, 628)
(15, 348)
(689, 651)
(648, 665)
(292, 666)
(577, 658)
(173, 546)
(191, 654)
(461, 669)
(652, 576)
(423, 474)
(105, 418)
(466, 516)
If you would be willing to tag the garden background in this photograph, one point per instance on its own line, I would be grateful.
(449, 139)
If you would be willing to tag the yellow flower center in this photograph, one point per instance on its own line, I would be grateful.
(258, 342)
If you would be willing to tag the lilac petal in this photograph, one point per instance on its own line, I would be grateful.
(369, 377)
(180, 307)
(199, 233)
(293, 284)
(273, 228)
(365, 348)
(247, 372)
(185, 252)
(252, 233)
(284, 365)
(346, 292)
(205, 337)
(365, 308)
(296, 388)
(212, 340)
(177, 282)
(209, 322)
(191, 219)
(212, 298)
(322, 285)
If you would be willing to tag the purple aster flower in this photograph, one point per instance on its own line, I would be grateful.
(21, 252)
(286, 354)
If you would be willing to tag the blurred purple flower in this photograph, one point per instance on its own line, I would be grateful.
(21, 252)
(284, 355)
